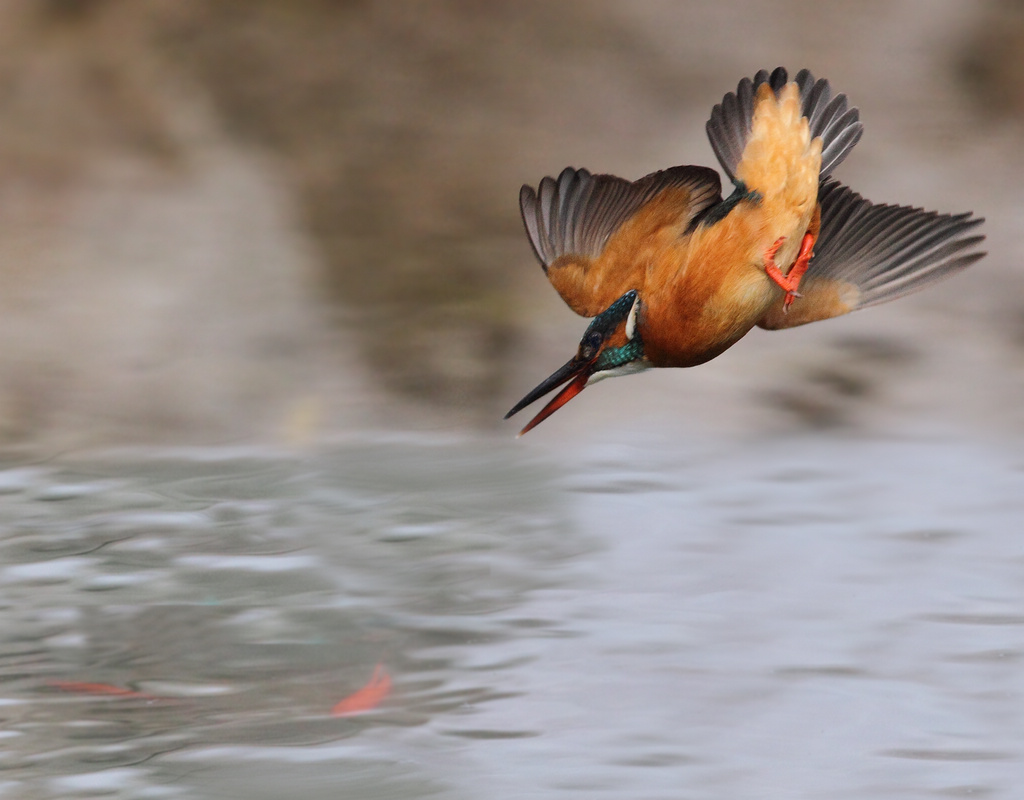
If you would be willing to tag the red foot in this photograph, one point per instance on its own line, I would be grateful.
(790, 282)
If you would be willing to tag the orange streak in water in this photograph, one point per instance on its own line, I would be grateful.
(97, 688)
(366, 698)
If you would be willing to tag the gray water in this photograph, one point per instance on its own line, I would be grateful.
(802, 618)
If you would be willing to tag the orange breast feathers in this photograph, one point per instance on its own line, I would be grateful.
(706, 291)
(782, 164)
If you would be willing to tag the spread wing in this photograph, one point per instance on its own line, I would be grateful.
(580, 226)
(868, 254)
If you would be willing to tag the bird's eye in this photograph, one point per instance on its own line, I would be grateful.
(590, 345)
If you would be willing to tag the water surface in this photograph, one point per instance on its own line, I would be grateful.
(819, 618)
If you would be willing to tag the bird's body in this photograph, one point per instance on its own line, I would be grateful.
(674, 275)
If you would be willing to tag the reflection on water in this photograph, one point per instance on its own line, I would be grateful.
(834, 618)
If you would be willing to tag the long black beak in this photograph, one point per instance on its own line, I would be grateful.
(577, 372)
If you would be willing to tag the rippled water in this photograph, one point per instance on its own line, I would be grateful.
(819, 618)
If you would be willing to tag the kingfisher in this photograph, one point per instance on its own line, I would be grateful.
(673, 274)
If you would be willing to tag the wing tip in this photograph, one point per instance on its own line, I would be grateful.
(528, 211)
(889, 251)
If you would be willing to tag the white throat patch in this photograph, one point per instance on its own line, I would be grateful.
(630, 368)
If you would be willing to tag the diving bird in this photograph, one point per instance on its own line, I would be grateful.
(673, 274)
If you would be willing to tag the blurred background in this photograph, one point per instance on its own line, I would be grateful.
(285, 236)
(276, 222)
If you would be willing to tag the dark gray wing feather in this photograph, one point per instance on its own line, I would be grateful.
(577, 212)
(828, 117)
(888, 251)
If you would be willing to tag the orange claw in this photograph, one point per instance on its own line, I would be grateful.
(790, 282)
(367, 698)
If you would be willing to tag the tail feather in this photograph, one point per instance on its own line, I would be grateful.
(829, 118)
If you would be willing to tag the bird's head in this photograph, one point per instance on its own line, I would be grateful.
(611, 346)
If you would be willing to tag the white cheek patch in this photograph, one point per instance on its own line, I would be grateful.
(631, 368)
(631, 319)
